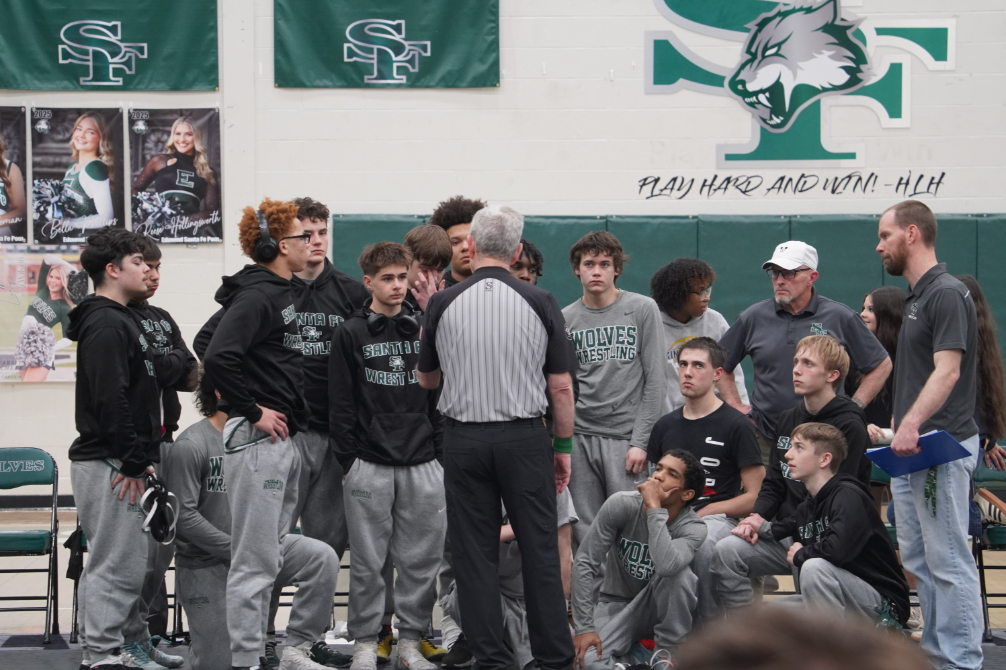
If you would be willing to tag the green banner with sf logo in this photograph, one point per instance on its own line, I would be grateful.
(108, 45)
(387, 43)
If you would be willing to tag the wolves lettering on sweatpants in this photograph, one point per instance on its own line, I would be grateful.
(262, 492)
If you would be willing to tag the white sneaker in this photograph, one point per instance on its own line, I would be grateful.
(134, 656)
(449, 631)
(364, 656)
(299, 658)
(410, 658)
(160, 657)
(915, 621)
(114, 659)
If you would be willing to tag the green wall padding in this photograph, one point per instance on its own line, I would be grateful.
(735, 246)
(651, 243)
(554, 235)
(847, 260)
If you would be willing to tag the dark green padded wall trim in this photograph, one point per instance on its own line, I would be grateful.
(735, 246)
(554, 235)
(849, 265)
(351, 232)
(651, 243)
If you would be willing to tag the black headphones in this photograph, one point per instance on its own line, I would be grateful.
(405, 321)
(266, 249)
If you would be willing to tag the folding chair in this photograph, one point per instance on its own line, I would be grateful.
(22, 466)
(985, 479)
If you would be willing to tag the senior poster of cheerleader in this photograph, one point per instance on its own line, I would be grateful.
(77, 172)
(13, 192)
(39, 285)
(175, 159)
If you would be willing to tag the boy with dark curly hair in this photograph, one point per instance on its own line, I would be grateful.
(455, 216)
(682, 290)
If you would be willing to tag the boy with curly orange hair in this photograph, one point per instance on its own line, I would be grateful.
(254, 361)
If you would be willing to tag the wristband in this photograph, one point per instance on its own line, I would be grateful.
(562, 445)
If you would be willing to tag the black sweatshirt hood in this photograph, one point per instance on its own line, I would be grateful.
(250, 275)
(89, 309)
(117, 412)
(780, 495)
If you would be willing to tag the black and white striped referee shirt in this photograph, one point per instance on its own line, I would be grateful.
(495, 338)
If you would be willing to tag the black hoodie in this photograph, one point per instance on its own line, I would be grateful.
(117, 400)
(378, 411)
(841, 525)
(173, 361)
(255, 357)
(322, 305)
(780, 495)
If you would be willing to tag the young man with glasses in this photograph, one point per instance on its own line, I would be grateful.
(255, 361)
(682, 290)
(768, 332)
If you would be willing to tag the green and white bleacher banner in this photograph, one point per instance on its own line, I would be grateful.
(387, 44)
(109, 45)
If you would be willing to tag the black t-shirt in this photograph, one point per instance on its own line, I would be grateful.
(724, 441)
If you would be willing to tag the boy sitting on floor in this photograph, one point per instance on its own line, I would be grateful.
(840, 546)
(649, 591)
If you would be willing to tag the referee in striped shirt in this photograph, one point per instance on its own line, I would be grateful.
(501, 346)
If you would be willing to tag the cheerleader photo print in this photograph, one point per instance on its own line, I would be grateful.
(77, 172)
(175, 159)
(39, 285)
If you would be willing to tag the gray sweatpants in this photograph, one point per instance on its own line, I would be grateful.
(320, 506)
(736, 561)
(158, 560)
(203, 595)
(262, 479)
(719, 526)
(663, 610)
(110, 585)
(827, 586)
(597, 471)
(514, 623)
(395, 511)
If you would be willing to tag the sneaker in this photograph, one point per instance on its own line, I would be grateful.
(411, 658)
(916, 636)
(364, 656)
(113, 661)
(449, 631)
(158, 656)
(134, 656)
(299, 658)
(430, 651)
(271, 660)
(460, 656)
(330, 658)
(384, 641)
(915, 621)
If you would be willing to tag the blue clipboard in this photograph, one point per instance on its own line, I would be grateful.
(937, 448)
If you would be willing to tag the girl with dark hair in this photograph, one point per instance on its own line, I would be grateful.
(13, 204)
(990, 403)
(883, 310)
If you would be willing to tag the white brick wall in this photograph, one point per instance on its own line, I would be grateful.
(569, 140)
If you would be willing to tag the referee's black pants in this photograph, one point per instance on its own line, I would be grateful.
(512, 461)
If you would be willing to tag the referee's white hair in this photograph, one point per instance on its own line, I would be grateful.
(497, 230)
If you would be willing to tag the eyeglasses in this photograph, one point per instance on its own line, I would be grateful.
(303, 237)
(775, 273)
(704, 293)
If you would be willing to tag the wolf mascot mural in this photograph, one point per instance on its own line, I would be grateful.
(794, 55)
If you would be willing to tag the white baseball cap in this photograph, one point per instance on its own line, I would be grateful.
(791, 255)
